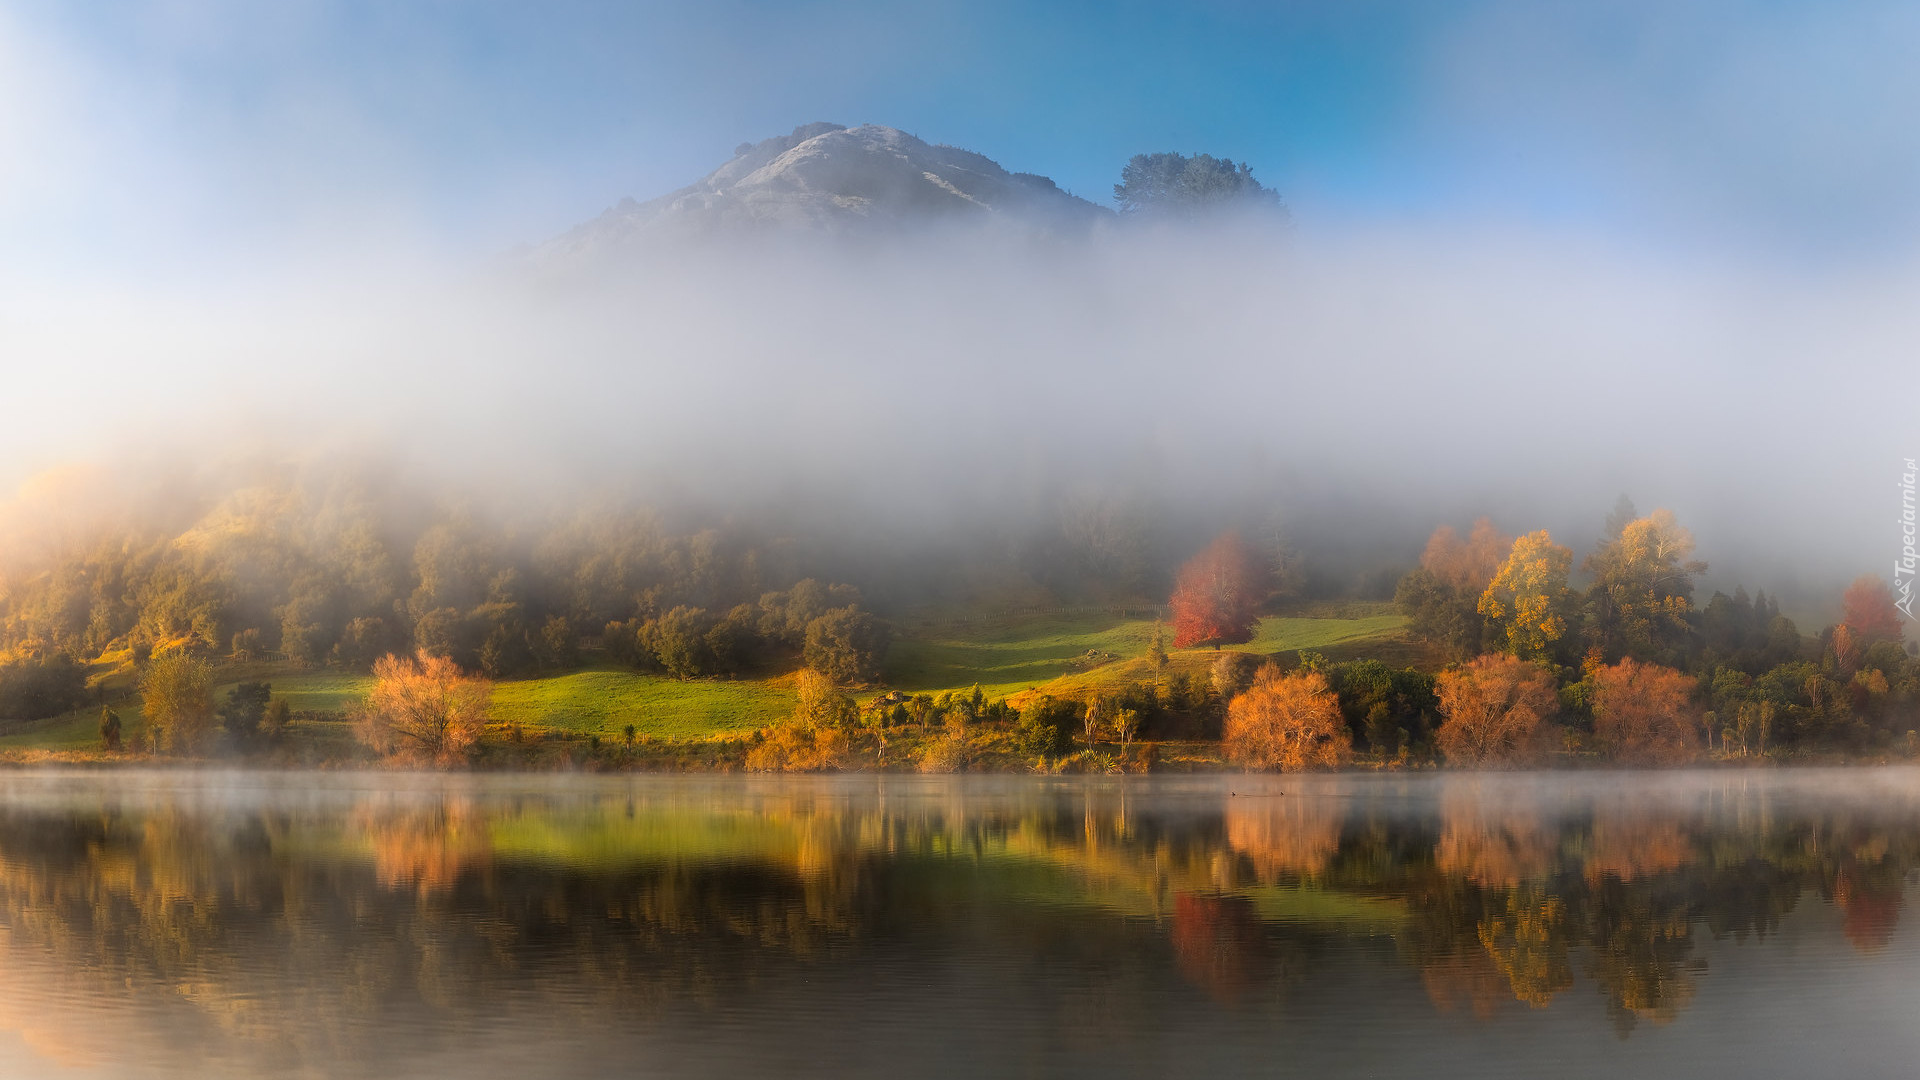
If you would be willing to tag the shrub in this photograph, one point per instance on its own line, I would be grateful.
(1045, 727)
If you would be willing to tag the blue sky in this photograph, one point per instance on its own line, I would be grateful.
(140, 127)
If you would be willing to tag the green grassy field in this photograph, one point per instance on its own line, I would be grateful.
(1008, 656)
(598, 701)
(604, 700)
(1013, 655)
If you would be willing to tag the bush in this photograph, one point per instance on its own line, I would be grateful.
(1045, 727)
(799, 748)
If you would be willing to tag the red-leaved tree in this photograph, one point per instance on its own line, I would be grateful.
(1217, 595)
(1868, 604)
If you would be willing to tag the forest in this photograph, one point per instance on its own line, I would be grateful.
(1504, 651)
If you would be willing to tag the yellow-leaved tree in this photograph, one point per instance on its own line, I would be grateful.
(1528, 596)
(1643, 585)
(176, 697)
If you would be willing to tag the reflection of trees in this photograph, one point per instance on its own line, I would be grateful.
(1631, 846)
(1868, 897)
(1466, 979)
(452, 907)
(1641, 943)
(1286, 836)
(1219, 943)
(1527, 940)
(1494, 841)
(426, 847)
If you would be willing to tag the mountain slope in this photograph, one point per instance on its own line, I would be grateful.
(825, 176)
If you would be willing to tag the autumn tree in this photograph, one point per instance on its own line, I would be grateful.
(424, 709)
(176, 697)
(1642, 591)
(1441, 596)
(1495, 708)
(1869, 610)
(1289, 722)
(1527, 598)
(821, 704)
(1217, 595)
(1643, 714)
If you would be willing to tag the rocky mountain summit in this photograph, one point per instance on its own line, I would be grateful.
(829, 177)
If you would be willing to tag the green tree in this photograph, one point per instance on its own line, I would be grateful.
(1181, 187)
(846, 644)
(244, 711)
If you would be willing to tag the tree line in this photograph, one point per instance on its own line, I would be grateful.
(1624, 665)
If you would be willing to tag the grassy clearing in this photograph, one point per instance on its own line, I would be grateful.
(1012, 656)
(604, 700)
(1008, 656)
(596, 701)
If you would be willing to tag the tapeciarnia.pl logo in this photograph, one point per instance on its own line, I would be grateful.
(1903, 567)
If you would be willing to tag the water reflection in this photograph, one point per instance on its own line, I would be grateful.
(246, 925)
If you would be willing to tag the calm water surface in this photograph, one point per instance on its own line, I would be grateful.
(246, 924)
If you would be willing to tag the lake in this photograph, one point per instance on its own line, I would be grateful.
(211, 924)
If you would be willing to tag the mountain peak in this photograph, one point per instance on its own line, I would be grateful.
(831, 177)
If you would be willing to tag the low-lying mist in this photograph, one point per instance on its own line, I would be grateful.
(1358, 387)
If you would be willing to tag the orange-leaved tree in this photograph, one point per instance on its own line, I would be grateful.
(1644, 714)
(1466, 565)
(1496, 709)
(1217, 595)
(1528, 594)
(1288, 722)
(1868, 604)
(424, 709)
